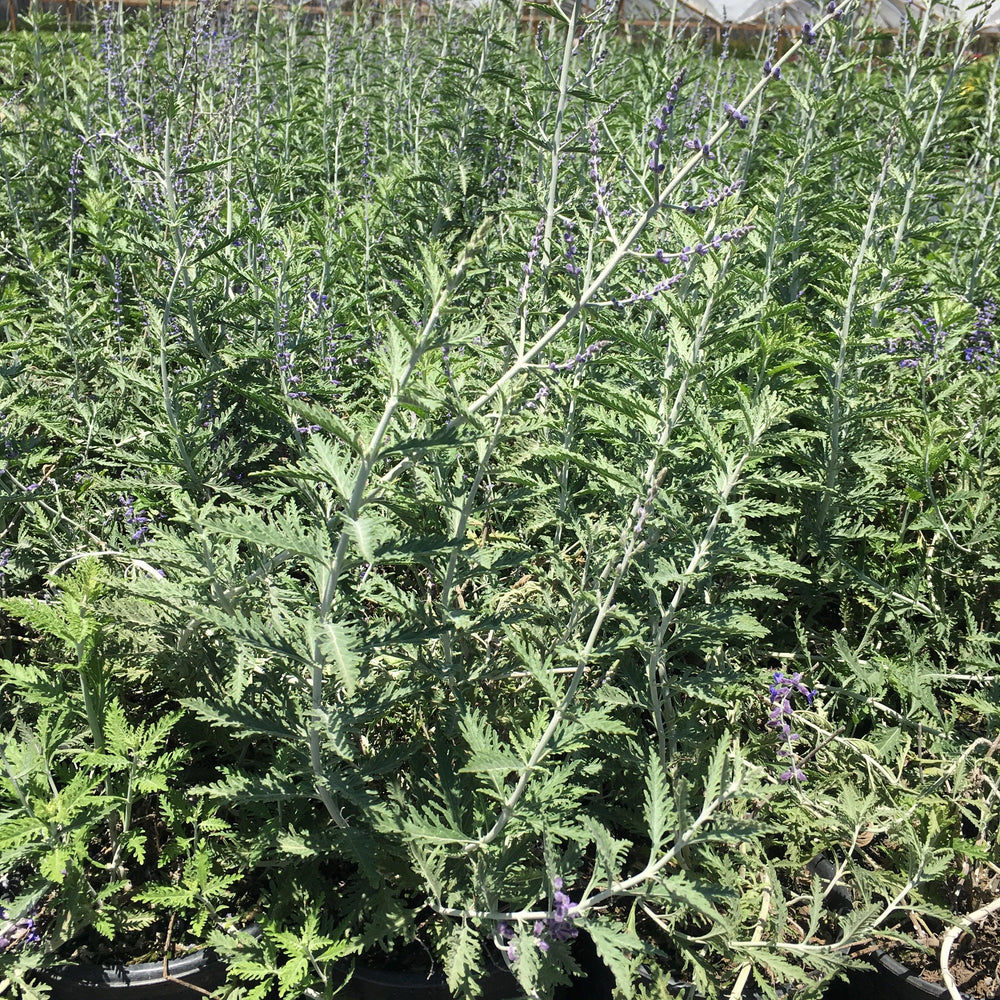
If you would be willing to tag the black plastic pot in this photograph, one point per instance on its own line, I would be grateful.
(144, 981)
(498, 983)
(383, 984)
(596, 983)
(203, 969)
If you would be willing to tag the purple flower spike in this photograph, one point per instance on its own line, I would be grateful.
(782, 691)
(558, 927)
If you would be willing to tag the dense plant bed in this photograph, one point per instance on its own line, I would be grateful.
(495, 489)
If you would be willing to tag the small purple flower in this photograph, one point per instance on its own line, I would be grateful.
(697, 145)
(792, 774)
(19, 932)
(601, 189)
(539, 398)
(533, 250)
(927, 343)
(139, 521)
(660, 124)
(703, 249)
(506, 933)
(589, 352)
(981, 349)
(741, 119)
(713, 198)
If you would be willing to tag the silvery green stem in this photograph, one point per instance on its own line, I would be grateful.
(989, 238)
(181, 266)
(555, 149)
(58, 514)
(167, 394)
(630, 541)
(847, 941)
(929, 131)
(458, 529)
(15, 784)
(90, 702)
(655, 675)
(328, 578)
(684, 839)
(507, 810)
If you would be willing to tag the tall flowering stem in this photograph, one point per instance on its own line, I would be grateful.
(555, 150)
(522, 364)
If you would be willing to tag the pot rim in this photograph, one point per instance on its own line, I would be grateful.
(140, 973)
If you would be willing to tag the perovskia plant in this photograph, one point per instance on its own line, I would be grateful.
(504, 416)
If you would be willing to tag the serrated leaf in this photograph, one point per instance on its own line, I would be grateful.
(53, 865)
(658, 802)
(367, 533)
(337, 645)
(463, 962)
(237, 717)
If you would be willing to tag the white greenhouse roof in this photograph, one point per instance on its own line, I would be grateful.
(888, 13)
(683, 10)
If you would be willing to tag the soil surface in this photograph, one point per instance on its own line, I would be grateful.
(974, 961)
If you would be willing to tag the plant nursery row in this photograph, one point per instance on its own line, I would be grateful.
(510, 509)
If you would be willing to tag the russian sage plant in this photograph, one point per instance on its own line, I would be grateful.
(549, 480)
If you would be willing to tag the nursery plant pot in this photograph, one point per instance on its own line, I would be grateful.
(369, 983)
(860, 987)
(203, 969)
(186, 976)
(498, 983)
